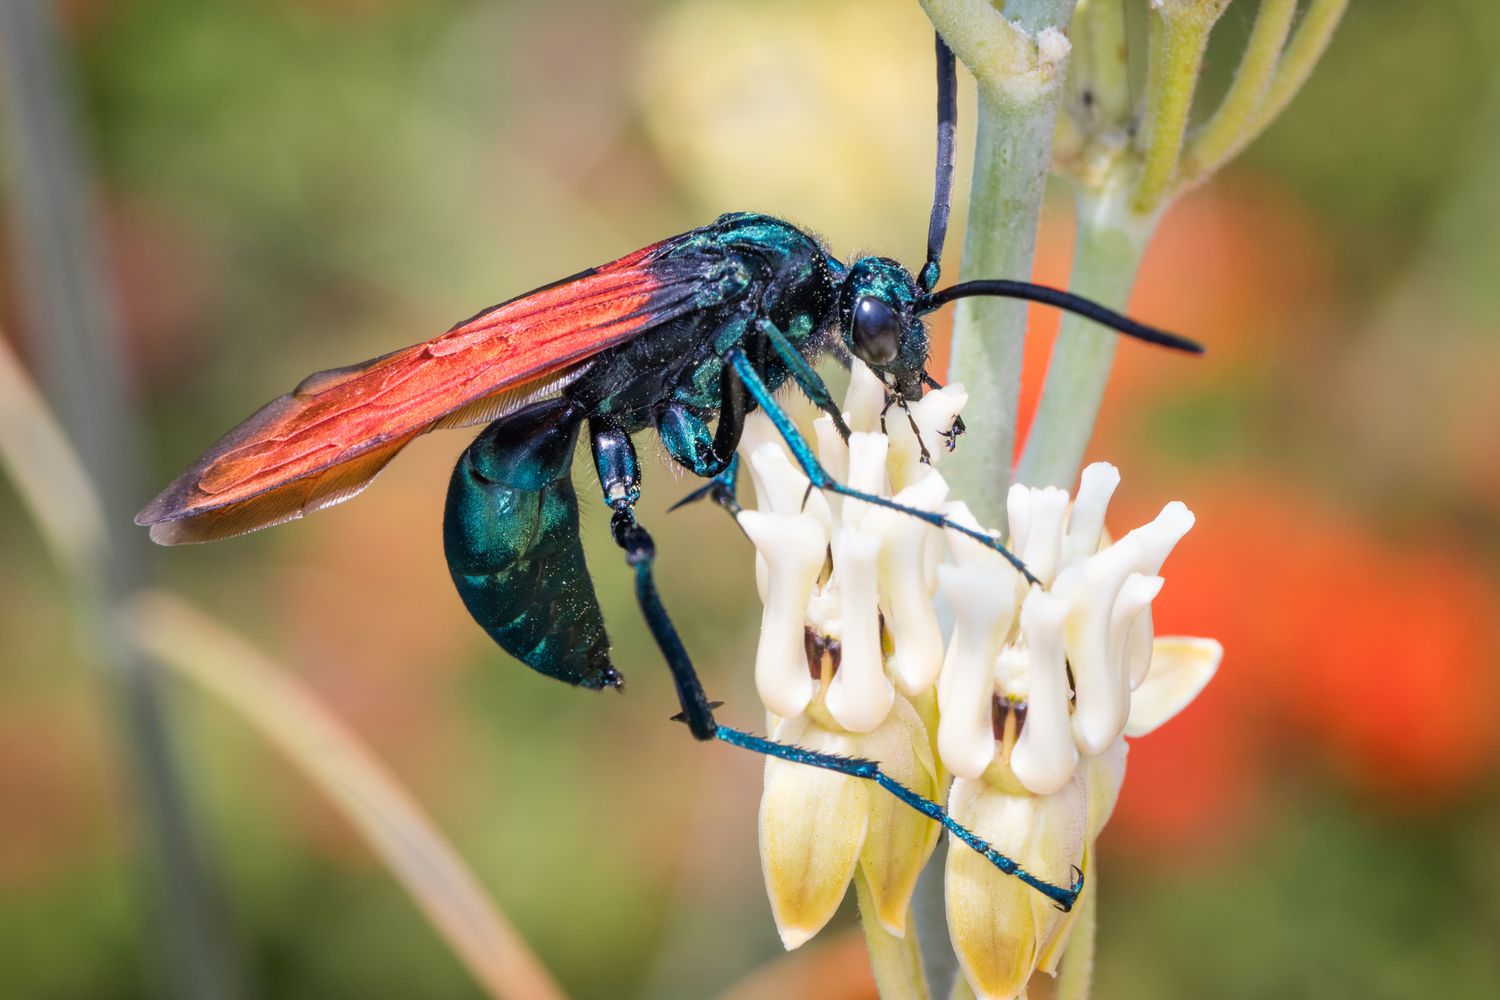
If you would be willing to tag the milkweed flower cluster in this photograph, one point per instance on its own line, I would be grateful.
(1018, 719)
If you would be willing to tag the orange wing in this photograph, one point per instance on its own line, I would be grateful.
(328, 438)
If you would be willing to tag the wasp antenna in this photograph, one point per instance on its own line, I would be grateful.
(1062, 300)
(942, 186)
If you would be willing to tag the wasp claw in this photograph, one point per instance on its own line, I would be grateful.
(682, 716)
(713, 490)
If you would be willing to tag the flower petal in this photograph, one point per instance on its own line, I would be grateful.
(1096, 486)
(906, 597)
(812, 829)
(1103, 775)
(1180, 668)
(1130, 624)
(966, 689)
(933, 416)
(864, 400)
(1044, 756)
(998, 924)
(860, 695)
(793, 549)
(899, 840)
(1036, 519)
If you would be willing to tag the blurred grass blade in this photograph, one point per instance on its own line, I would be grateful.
(70, 316)
(195, 646)
(836, 969)
(35, 453)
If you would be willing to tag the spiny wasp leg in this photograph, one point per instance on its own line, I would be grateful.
(820, 479)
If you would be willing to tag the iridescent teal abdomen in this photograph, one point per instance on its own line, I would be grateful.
(510, 532)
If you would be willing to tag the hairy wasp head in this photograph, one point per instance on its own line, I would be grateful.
(879, 321)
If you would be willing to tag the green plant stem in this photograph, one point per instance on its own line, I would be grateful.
(1226, 133)
(1177, 36)
(1110, 244)
(355, 782)
(961, 990)
(1099, 60)
(989, 334)
(897, 962)
(1019, 93)
(1313, 34)
(1076, 977)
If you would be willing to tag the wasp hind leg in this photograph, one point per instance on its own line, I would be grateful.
(619, 476)
(620, 479)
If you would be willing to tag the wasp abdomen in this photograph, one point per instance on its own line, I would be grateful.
(510, 533)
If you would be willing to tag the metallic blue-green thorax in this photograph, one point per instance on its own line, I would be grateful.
(761, 287)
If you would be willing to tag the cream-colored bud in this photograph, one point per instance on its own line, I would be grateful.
(816, 825)
(793, 548)
(910, 618)
(1000, 927)
(859, 696)
(1044, 756)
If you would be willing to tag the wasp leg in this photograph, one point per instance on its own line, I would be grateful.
(857, 767)
(620, 478)
(820, 479)
(685, 434)
(803, 374)
(721, 489)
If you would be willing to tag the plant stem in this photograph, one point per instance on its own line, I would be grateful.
(1099, 58)
(1314, 32)
(897, 962)
(1019, 93)
(1226, 133)
(1177, 36)
(1076, 978)
(989, 334)
(358, 786)
(1110, 244)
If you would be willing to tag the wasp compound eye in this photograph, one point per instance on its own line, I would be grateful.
(877, 331)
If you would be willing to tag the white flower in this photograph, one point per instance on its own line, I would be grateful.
(848, 636)
(1027, 707)
(1040, 685)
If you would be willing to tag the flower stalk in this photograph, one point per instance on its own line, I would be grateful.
(1019, 59)
(896, 961)
(1126, 158)
(1127, 162)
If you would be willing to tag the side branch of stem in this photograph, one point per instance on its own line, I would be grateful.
(1105, 260)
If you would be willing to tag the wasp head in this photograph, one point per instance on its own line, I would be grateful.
(880, 324)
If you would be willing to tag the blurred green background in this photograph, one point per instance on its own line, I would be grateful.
(289, 186)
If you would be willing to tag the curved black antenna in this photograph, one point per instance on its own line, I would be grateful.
(1062, 300)
(942, 185)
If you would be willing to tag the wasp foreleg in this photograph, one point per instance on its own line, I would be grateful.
(803, 374)
(820, 479)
